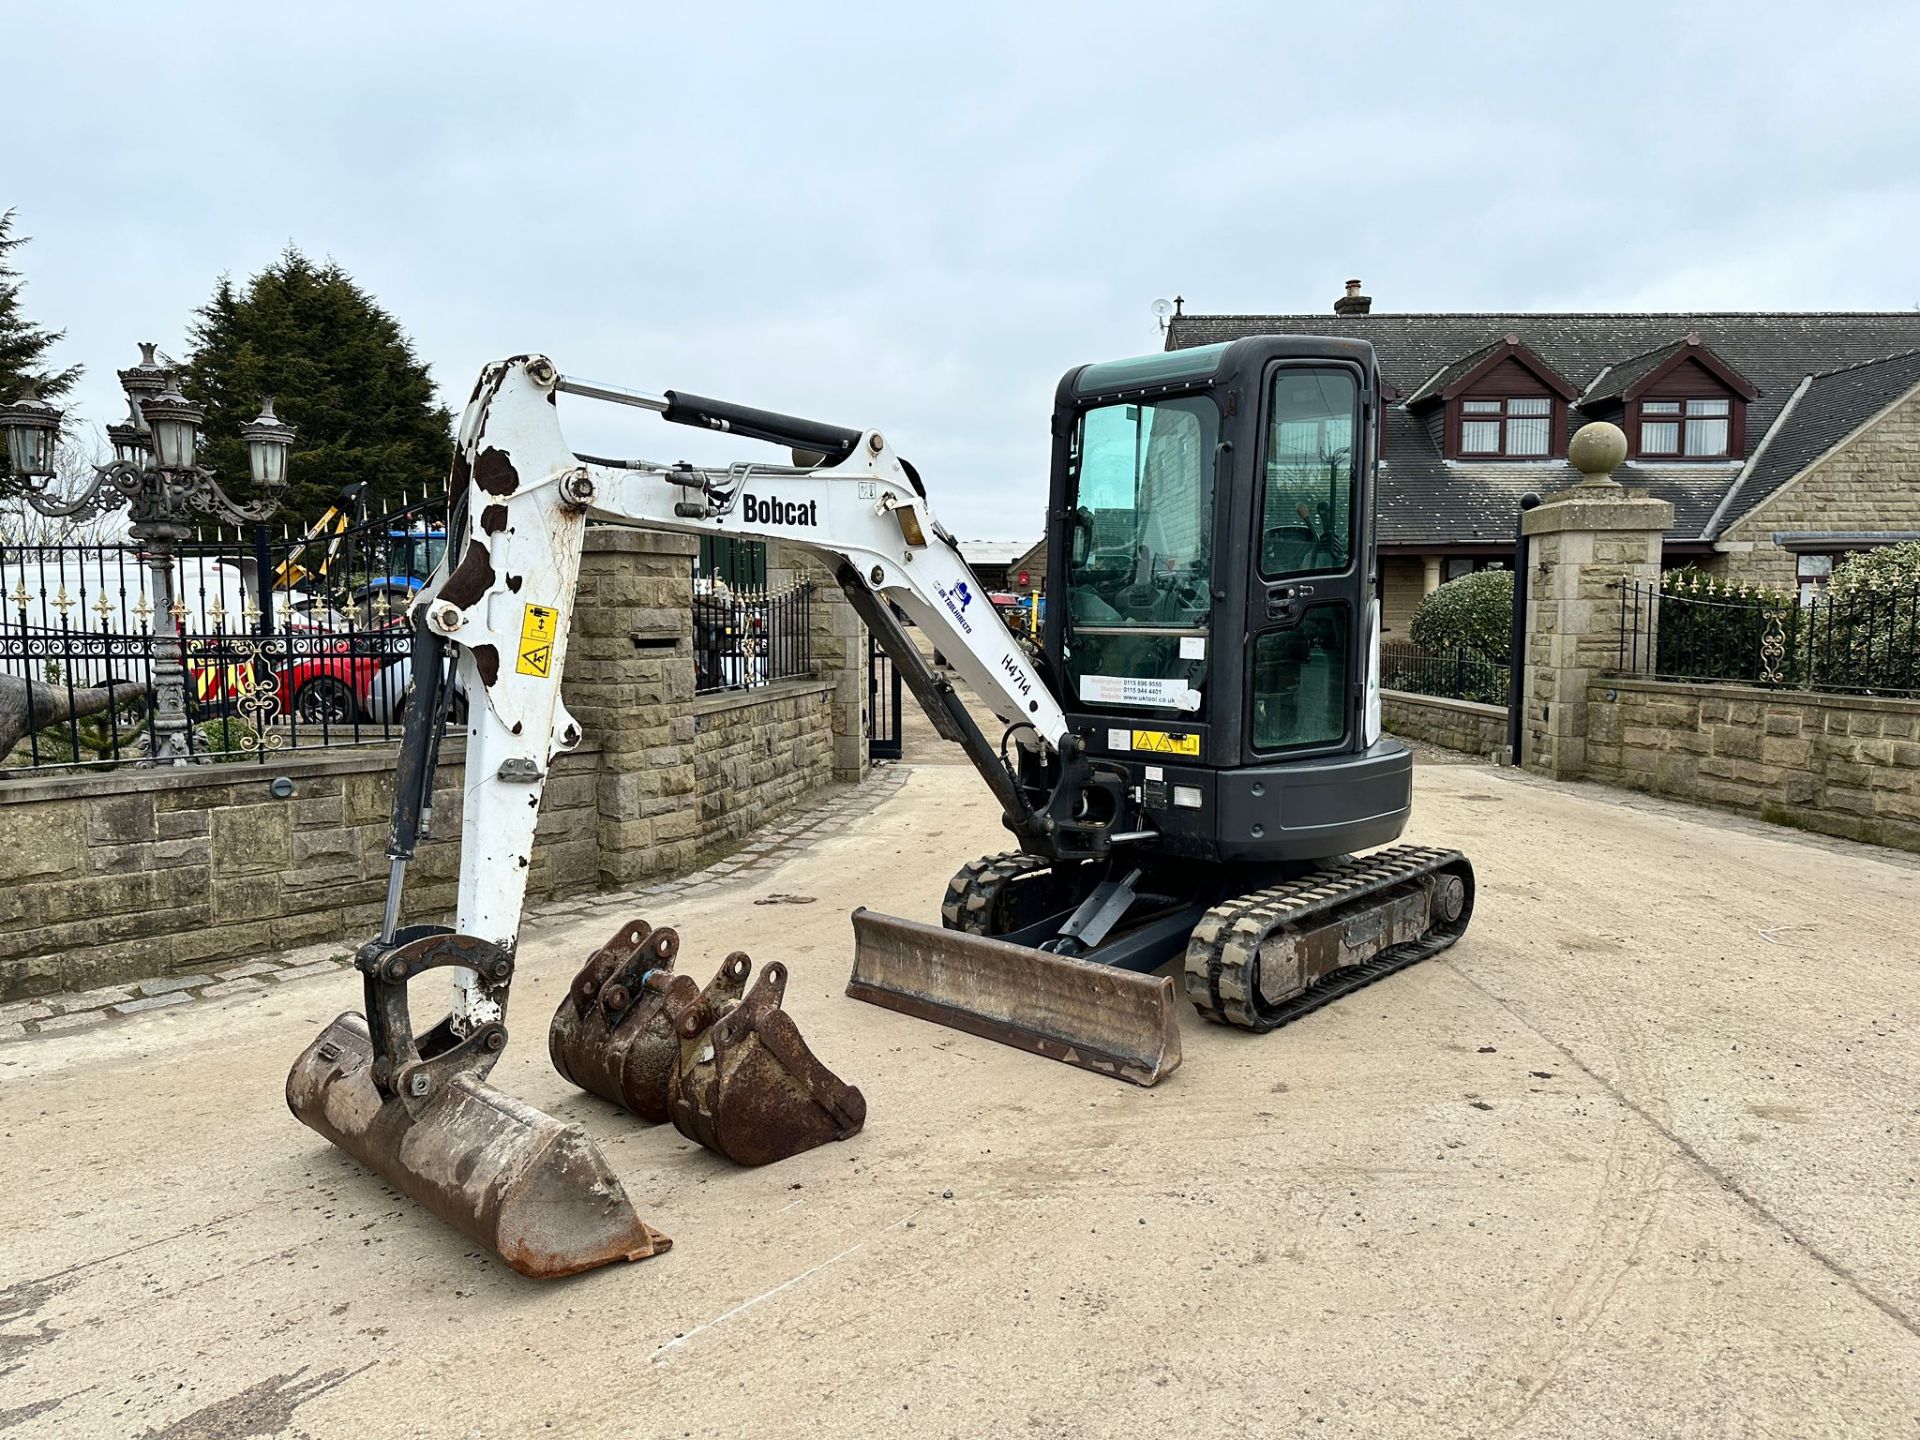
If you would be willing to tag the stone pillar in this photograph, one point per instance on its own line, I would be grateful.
(629, 682)
(839, 642)
(1430, 578)
(1581, 544)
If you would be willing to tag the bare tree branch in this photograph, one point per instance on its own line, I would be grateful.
(24, 709)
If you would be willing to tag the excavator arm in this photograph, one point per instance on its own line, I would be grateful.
(523, 499)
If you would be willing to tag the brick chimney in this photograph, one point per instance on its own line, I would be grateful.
(1353, 302)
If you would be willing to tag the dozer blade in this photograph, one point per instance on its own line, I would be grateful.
(1110, 1021)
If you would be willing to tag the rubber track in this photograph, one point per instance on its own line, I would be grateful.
(975, 888)
(1226, 943)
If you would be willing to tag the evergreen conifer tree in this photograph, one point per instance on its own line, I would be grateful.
(342, 372)
(23, 345)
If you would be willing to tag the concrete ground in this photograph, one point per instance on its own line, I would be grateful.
(1640, 1156)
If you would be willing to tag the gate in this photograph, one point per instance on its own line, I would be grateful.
(883, 703)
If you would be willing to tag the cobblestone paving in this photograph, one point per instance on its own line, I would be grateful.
(768, 849)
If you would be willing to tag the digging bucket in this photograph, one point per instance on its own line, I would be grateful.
(1110, 1021)
(534, 1190)
(612, 1035)
(746, 1084)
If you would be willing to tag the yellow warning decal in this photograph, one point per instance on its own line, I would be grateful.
(536, 641)
(1159, 742)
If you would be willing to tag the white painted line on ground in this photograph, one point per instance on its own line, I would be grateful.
(788, 1284)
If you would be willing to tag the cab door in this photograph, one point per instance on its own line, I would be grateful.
(1310, 595)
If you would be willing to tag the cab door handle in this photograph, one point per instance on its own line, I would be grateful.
(1284, 607)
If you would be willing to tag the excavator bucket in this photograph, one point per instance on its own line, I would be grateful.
(420, 1114)
(1114, 1022)
(746, 1084)
(728, 1067)
(612, 1034)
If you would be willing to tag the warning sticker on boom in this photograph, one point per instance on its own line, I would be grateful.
(1161, 742)
(536, 641)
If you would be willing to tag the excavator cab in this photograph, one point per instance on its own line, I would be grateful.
(1218, 636)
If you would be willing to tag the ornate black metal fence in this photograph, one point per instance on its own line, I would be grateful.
(1863, 640)
(1459, 674)
(750, 636)
(277, 644)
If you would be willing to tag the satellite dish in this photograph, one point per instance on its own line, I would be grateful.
(1162, 308)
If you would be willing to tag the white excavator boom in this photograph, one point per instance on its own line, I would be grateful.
(508, 601)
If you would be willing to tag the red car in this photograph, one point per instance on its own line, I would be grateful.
(326, 684)
(330, 689)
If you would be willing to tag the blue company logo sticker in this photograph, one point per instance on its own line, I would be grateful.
(965, 598)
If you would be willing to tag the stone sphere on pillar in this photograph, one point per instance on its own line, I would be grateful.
(1597, 450)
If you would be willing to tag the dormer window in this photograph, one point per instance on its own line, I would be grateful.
(1678, 401)
(1500, 402)
(1517, 427)
(1685, 429)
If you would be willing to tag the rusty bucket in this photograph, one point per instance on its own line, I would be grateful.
(418, 1112)
(746, 1084)
(611, 1034)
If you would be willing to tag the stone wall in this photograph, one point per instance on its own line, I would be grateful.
(629, 682)
(1839, 764)
(839, 641)
(1870, 483)
(141, 873)
(757, 752)
(1462, 725)
(133, 874)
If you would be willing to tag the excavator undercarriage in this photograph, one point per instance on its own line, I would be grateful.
(1008, 961)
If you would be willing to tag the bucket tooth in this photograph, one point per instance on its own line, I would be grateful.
(612, 1035)
(531, 1188)
(746, 1084)
(1110, 1021)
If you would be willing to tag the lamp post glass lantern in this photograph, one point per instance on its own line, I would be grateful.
(146, 381)
(156, 477)
(269, 441)
(130, 441)
(175, 423)
(32, 426)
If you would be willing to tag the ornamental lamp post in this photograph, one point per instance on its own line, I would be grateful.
(156, 475)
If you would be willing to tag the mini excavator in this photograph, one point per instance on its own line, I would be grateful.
(1190, 766)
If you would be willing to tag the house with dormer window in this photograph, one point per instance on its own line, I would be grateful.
(1785, 441)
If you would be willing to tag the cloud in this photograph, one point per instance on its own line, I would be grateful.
(919, 217)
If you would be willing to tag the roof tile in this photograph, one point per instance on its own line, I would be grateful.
(1426, 499)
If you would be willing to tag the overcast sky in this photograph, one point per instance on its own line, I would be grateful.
(917, 216)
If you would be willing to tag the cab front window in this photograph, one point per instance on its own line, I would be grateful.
(1140, 557)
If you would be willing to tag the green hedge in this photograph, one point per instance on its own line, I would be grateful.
(226, 738)
(1474, 613)
(1865, 633)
